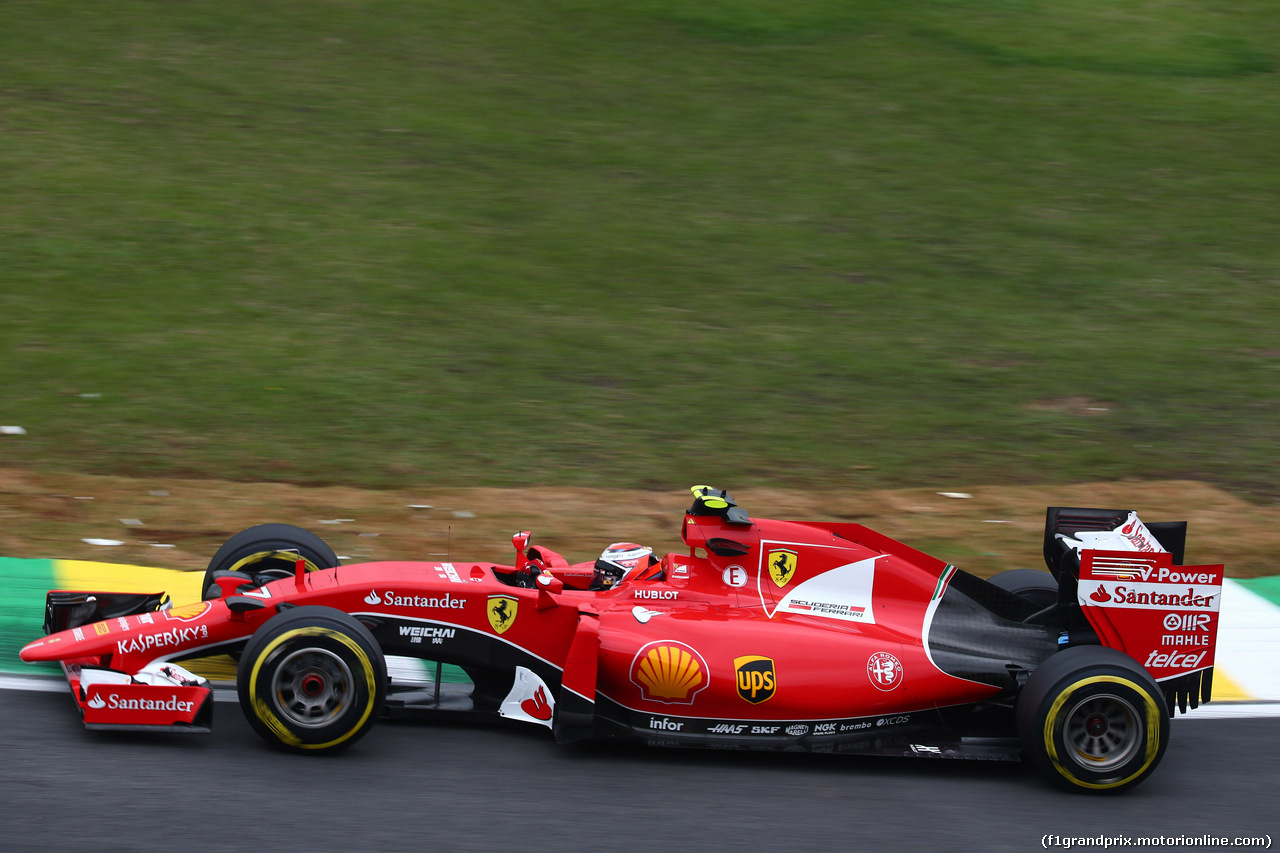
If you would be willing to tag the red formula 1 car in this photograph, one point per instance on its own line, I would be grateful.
(764, 634)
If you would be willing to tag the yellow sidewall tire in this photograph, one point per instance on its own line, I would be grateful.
(1147, 717)
(333, 650)
(271, 549)
(1093, 686)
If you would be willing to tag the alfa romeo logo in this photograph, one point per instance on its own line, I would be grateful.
(884, 670)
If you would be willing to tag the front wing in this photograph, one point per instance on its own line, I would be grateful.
(160, 697)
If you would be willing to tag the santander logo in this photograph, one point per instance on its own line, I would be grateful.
(1100, 594)
(372, 597)
(96, 702)
(537, 706)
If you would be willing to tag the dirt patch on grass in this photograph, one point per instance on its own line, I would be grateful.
(182, 522)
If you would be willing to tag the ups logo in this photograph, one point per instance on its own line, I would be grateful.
(757, 681)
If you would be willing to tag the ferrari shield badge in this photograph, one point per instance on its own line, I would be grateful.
(502, 612)
(782, 566)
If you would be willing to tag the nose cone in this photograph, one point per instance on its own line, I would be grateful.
(48, 648)
(60, 646)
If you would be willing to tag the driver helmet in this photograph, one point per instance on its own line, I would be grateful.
(620, 561)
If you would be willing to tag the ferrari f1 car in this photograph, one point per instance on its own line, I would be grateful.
(817, 636)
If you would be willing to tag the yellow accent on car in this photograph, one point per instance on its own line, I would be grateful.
(1152, 730)
(701, 492)
(290, 556)
(263, 710)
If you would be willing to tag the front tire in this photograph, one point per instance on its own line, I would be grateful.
(311, 680)
(268, 552)
(1092, 720)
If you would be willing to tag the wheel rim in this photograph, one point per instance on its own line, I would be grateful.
(312, 687)
(1103, 731)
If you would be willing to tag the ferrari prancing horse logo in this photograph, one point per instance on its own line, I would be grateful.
(782, 565)
(502, 612)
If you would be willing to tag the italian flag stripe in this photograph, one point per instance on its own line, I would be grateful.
(942, 581)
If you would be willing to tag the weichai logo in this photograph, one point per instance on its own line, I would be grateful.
(757, 679)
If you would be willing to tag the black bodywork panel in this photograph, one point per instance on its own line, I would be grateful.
(978, 633)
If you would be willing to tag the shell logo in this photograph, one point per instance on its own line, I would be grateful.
(669, 672)
(187, 612)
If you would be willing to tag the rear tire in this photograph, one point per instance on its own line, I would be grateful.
(1092, 720)
(264, 553)
(1032, 584)
(311, 680)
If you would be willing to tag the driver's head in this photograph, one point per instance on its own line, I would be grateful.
(620, 561)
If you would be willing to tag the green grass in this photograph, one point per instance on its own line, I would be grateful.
(646, 242)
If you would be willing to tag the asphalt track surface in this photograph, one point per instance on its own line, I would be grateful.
(413, 786)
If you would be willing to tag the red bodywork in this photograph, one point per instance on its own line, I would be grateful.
(771, 630)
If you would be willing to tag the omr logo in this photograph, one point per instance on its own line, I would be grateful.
(1186, 622)
(96, 702)
(372, 597)
(1100, 594)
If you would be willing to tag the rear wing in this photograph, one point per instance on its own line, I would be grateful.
(1063, 524)
(1128, 580)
